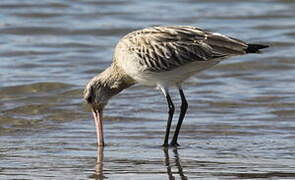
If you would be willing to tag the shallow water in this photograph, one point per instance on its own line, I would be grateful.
(240, 122)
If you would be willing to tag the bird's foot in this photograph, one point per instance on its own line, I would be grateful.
(165, 145)
(174, 144)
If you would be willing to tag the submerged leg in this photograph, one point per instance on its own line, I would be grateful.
(99, 163)
(170, 115)
(183, 109)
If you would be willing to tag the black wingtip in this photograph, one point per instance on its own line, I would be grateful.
(254, 48)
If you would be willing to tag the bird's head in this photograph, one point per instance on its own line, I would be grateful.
(104, 86)
(97, 95)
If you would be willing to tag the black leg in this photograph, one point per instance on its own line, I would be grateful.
(183, 109)
(170, 116)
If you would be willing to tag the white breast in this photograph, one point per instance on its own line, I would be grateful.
(173, 77)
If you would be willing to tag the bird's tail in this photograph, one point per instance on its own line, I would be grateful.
(254, 48)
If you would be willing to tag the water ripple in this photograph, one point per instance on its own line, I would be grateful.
(240, 120)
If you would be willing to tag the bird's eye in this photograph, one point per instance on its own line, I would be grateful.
(89, 99)
(88, 96)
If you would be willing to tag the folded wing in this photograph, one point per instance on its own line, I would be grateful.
(166, 48)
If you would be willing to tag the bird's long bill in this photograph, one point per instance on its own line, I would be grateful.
(98, 119)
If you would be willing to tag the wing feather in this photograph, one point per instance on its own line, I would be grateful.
(166, 48)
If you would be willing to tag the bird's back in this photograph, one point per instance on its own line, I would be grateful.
(165, 49)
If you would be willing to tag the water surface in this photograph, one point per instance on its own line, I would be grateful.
(240, 122)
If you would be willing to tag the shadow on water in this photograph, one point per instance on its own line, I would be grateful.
(169, 164)
(99, 174)
(177, 163)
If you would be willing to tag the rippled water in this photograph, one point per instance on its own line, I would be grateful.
(240, 122)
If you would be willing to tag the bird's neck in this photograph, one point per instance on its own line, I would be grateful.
(114, 79)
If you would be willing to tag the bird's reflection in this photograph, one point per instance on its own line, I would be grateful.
(99, 164)
(169, 167)
(173, 163)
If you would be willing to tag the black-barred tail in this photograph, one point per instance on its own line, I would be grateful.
(254, 48)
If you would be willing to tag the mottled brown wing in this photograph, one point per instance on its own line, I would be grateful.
(166, 48)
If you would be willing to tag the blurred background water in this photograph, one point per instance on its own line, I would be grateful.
(240, 122)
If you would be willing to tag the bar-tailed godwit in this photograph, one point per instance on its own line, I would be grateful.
(162, 57)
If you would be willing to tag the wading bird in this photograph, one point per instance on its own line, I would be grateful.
(162, 57)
